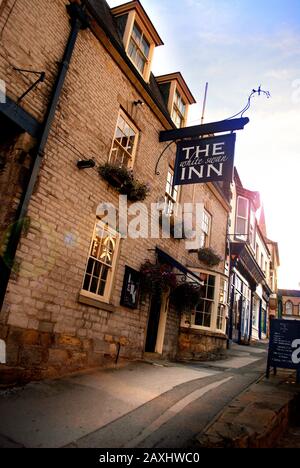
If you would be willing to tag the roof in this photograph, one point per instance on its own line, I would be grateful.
(241, 190)
(262, 221)
(289, 292)
(275, 247)
(182, 84)
(253, 196)
(237, 178)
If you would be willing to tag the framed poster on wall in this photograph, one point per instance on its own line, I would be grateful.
(131, 288)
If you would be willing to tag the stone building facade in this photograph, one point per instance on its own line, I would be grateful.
(289, 304)
(61, 309)
(253, 267)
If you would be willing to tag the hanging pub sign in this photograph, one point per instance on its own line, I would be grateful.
(205, 160)
(284, 346)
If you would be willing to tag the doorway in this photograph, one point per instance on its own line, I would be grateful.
(157, 323)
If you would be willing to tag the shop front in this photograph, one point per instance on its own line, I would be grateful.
(241, 309)
(203, 328)
(245, 302)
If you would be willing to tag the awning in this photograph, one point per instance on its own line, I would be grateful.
(166, 258)
(247, 263)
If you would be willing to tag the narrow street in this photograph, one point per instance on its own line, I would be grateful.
(144, 404)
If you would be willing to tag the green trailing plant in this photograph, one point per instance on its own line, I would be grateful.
(209, 257)
(123, 180)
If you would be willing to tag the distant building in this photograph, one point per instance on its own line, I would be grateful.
(253, 274)
(273, 278)
(289, 304)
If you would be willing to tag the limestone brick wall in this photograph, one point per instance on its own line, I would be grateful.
(42, 321)
(199, 345)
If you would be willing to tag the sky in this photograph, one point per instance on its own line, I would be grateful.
(235, 46)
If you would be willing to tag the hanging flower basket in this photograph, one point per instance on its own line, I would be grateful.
(186, 296)
(209, 257)
(124, 182)
(157, 278)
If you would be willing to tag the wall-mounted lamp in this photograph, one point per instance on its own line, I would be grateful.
(86, 164)
(138, 103)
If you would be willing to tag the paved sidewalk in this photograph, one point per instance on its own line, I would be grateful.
(54, 413)
(112, 406)
(257, 418)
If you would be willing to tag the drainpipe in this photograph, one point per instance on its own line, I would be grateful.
(79, 21)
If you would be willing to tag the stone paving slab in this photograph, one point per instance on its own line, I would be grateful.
(257, 418)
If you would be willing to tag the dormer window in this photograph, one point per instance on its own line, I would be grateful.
(177, 97)
(139, 49)
(139, 35)
(242, 217)
(179, 111)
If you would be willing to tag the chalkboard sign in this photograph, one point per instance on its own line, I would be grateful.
(284, 347)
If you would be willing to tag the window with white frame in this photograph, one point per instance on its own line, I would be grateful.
(139, 49)
(252, 229)
(289, 308)
(125, 141)
(206, 229)
(172, 194)
(222, 306)
(242, 216)
(101, 262)
(178, 111)
(204, 310)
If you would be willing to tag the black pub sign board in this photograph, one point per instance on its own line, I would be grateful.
(205, 160)
(284, 347)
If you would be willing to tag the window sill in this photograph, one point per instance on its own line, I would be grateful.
(97, 303)
(204, 331)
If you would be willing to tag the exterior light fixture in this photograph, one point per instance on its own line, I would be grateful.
(138, 103)
(86, 164)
